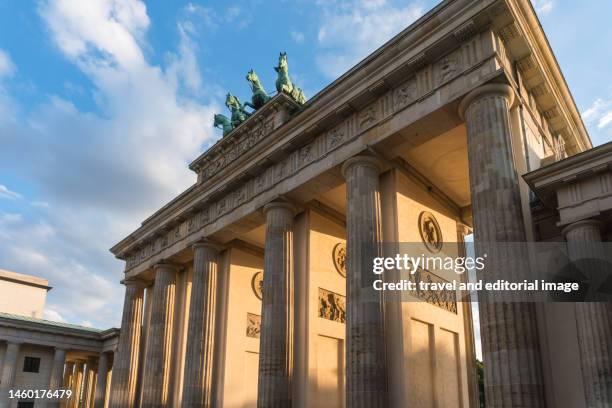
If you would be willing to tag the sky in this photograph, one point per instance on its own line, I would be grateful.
(103, 103)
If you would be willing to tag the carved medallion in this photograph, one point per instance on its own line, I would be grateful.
(332, 306)
(339, 255)
(430, 231)
(253, 325)
(257, 284)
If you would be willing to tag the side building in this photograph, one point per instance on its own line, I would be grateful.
(39, 354)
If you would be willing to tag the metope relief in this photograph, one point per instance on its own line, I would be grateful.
(332, 306)
(253, 328)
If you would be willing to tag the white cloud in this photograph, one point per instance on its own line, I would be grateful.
(350, 30)
(6, 193)
(297, 36)
(599, 113)
(52, 315)
(598, 120)
(543, 6)
(102, 172)
(7, 68)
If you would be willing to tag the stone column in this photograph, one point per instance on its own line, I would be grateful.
(77, 384)
(56, 377)
(593, 319)
(88, 382)
(67, 384)
(197, 384)
(9, 369)
(276, 341)
(513, 373)
(100, 391)
(366, 368)
(125, 367)
(156, 381)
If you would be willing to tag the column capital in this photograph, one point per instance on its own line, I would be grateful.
(486, 90)
(134, 282)
(165, 265)
(279, 204)
(582, 223)
(206, 244)
(363, 160)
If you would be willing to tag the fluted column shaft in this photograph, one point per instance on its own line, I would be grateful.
(156, 382)
(125, 368)
(77, 382)
(197, 384)
(67, 383)
(593, 319)
(276, 342)
(100, 391)
(88, 382)
(9, 369)
(366, 369)
(512, 362)
(56, 377)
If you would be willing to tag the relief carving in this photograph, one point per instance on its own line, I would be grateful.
(445, 299)
(405, 94)
(430, 232)
(339, 256)
(448, 67)
(257, 284)
(367, 116)
(332, 306)
(253, 328)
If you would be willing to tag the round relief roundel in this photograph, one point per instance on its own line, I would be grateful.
(430, 231)
(339, 255)
(257, 284)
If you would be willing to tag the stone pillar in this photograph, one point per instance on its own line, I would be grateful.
(366, 368)
(276, 341)
(125, 367)
(67, 384)
(77, 384)
(56, 377)
(197, 384)
(88, 382)
(593, 319)
(9, 369)
(100, 391)
(512, 362)
(156, 381)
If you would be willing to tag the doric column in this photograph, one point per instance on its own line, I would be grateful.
(125, 367)
(77, 384)
(156, 381)
(88, 382)
(56, 376)
(197, 384)
(276, 341)
(593, 319)
(513, 374)
(100, 391)
(9, 368)
(366, 369)
(67, 383)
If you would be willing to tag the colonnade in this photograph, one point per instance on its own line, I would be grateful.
(86, 378)
(509, 332)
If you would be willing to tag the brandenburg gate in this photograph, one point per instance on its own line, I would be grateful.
(248, 289)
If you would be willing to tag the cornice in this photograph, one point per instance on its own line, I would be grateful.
(560, 111)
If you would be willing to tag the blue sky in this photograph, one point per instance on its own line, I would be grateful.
(104, 103)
